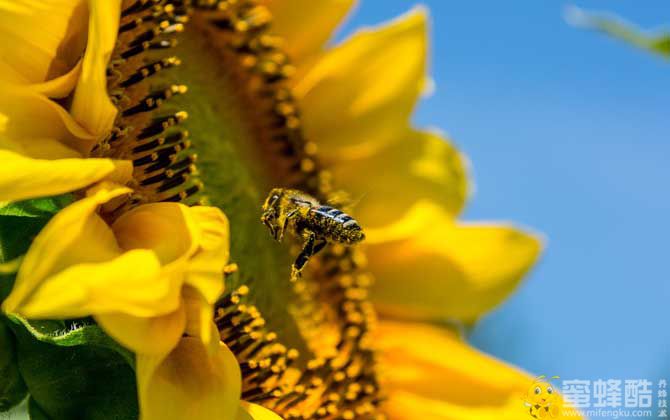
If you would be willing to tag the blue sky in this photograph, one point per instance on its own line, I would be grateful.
(568, 134)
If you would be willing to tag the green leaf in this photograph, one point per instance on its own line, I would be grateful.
(17, 233)
(40, 207)
(78, 382)
(12, 388)
(6, 284)
(72, 333)
(21, 221)
(35, 411)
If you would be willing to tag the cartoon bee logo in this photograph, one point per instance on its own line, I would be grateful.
(316, 224)
(542, 400)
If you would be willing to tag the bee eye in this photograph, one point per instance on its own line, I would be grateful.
(538, 391)
(550, 390)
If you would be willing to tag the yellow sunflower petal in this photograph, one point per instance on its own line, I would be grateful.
(430, 267)
(402, 405)
(23, 178)
(213, 229)
(199, 314)
(32, 118)
(436, 363)
(61, 86)
(306, 25)
(76, 235)
(249, 411)
(205, 271)
(191, 382)
(129, 283)
(165, 228)
(152, 336)
(431, 373)
(360, 95)
(387, 184)
(41, 40)
(91, 105)
(197, 237)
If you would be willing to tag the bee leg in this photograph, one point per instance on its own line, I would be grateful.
(280, 233)
(305, 254)
(319, 246)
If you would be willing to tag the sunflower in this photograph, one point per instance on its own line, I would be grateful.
(166, 122)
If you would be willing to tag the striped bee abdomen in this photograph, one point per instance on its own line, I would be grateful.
(335, 225)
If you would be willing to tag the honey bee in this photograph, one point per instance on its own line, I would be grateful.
(306, 218)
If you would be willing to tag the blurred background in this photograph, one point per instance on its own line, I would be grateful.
(568, 134)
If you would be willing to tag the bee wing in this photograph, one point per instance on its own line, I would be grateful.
(343, 200)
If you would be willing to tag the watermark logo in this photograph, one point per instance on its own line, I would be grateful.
(605, 398)
(542, 399)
